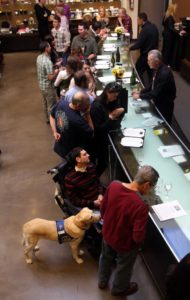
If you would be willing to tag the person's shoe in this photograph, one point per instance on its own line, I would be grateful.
(102, 285)
(131, 289)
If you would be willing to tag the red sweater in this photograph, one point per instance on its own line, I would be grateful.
(125, 216)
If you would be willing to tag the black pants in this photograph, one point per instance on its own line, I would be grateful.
(142, 66)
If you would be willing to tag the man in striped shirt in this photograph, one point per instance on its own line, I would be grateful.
(82, 185)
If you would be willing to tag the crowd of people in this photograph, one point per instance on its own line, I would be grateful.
(80, 122)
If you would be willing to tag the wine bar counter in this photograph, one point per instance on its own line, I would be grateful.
(146, 138)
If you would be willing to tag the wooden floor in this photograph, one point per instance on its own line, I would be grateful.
(27, 192)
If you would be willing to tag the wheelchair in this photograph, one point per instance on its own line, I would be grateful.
(93, 236)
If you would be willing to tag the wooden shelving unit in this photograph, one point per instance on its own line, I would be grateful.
(15, 11)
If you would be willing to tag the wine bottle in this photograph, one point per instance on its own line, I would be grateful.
(117, 55)
(133, 78)
(112, 60)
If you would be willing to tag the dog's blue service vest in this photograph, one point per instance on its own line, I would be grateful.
(62, 235)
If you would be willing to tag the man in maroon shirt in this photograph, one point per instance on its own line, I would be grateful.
(124, 220)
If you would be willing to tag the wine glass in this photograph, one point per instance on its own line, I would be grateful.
(167, 187)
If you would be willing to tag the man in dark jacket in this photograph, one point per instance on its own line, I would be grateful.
(162, 89)
(147, 40)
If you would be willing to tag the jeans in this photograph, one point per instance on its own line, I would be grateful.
(124, 266)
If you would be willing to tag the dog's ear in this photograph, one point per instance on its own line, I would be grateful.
(86, 209)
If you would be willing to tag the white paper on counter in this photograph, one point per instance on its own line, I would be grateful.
(107, 79)
(109, 45)
(169, 151)
(102, 62)
(111, 38)
(127, 74)
(151, 122)
(179, 159)
(114, 34)
(147, 115)
(105, 57)
(168, 210)
(110, 49)
(102, 67)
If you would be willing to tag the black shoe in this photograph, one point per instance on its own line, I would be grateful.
(102, 285)
(131, 289)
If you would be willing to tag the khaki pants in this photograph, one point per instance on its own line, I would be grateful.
(49, 99)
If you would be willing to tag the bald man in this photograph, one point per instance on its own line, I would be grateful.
(71, 124)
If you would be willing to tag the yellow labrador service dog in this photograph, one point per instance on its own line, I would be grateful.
(71, 230)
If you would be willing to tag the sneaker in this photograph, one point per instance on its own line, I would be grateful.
(102, 285)
(131, 289)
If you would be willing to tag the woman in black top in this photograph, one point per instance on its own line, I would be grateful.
(169, 34)
(106, 112)
(42, 16)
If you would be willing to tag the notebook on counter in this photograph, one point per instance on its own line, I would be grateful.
(168, 210)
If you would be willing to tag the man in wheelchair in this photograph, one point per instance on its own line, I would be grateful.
(81, 184)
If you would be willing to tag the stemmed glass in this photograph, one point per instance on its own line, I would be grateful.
(167, 187)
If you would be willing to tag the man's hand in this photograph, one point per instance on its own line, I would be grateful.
(57, 136)
(91, 56)
(135, 94)
(116, 113)
(120, 21)
(98, 201)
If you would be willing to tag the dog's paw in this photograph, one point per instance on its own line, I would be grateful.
(81, 252)
(29, 261)
(36, 248)
(79, 260)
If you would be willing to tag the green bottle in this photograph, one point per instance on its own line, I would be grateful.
(133, 78)
(117, 55)
(112, 60)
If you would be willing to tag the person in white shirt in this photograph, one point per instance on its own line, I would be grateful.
(64, 80)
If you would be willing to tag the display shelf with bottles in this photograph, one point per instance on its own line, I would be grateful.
(18, 11)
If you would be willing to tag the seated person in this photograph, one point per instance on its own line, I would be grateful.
(82, 186)
(102, 17)
(81, 85)
(125, 21)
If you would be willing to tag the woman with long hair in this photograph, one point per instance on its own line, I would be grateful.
(106, 112)
(169, 34)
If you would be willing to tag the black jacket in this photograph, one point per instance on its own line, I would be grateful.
(148, 39)
(164, 91)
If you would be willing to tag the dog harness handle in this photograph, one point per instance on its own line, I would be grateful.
(62, 235)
